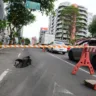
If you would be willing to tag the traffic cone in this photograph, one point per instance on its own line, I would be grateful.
(84, 61)
(43, 50)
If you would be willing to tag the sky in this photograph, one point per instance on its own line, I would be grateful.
(43, 20)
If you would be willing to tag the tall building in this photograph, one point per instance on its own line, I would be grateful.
(43, 30)
(34, 40)
(1, 10)
(52, 23)
(55, 25)
(90, 17)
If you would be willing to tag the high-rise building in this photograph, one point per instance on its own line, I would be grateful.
(52, 23)
(34, 40)
(1, 10)
(55, 25)
(90, 17)
(43, 30)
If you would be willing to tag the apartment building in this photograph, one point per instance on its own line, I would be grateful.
(52, 23)
(55, 25)
(1, 10)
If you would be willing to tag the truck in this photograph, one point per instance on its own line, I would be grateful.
(47, 38)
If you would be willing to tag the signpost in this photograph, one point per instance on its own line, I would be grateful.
(32, 5)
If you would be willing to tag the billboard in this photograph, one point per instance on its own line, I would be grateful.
(43, 30)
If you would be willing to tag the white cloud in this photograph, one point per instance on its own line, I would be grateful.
(42, 21)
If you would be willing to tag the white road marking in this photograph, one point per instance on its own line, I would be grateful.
(58, 89)
(19, 54)
(71, 64)
(4, 74)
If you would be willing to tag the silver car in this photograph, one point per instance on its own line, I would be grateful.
(75, 53)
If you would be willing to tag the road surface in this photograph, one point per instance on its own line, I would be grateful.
(49, 75)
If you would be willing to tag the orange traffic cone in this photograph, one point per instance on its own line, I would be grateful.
(43, 50)
(84, 61)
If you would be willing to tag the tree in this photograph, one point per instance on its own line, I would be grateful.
(3, 24)
(27, 41)
(47, 6)
(92, 28)
(19, 16)
(71, 21)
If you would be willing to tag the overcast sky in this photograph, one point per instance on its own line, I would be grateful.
(43, 21)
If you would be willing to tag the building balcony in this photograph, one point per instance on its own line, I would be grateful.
(60, 26)
(82, 19)
(58, 19)
(83, 22)
(82, 12)
(65, 4)
(80, 34)
(59, 31)
(60, 35)
(61, 8)
(82, 8)
(83, 15)
(59, 22)
(82, 30)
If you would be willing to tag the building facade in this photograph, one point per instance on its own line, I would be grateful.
(52, 23)
(34, 40)
(1, 10)
(90, 18)
(43, 30)
(57, 22)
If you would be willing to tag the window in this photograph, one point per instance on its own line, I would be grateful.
(51, 43)
(83, 43)
(57, 42)
(89, 42)
(92, 43)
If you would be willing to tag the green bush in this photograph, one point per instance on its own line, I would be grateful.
(1, 43)
(27, 41)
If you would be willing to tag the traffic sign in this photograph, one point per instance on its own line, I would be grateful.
(32, 5)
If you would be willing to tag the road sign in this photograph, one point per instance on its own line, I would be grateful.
(32, 5)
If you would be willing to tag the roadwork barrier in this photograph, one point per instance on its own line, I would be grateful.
(46, 46)
(84, 61)
(39, 46)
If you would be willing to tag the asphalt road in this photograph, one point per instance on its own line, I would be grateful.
(49, 75)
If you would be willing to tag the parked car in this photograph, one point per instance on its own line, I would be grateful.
(75, 53)
(59, 50)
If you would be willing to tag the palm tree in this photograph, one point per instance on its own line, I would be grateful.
(70, 21)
